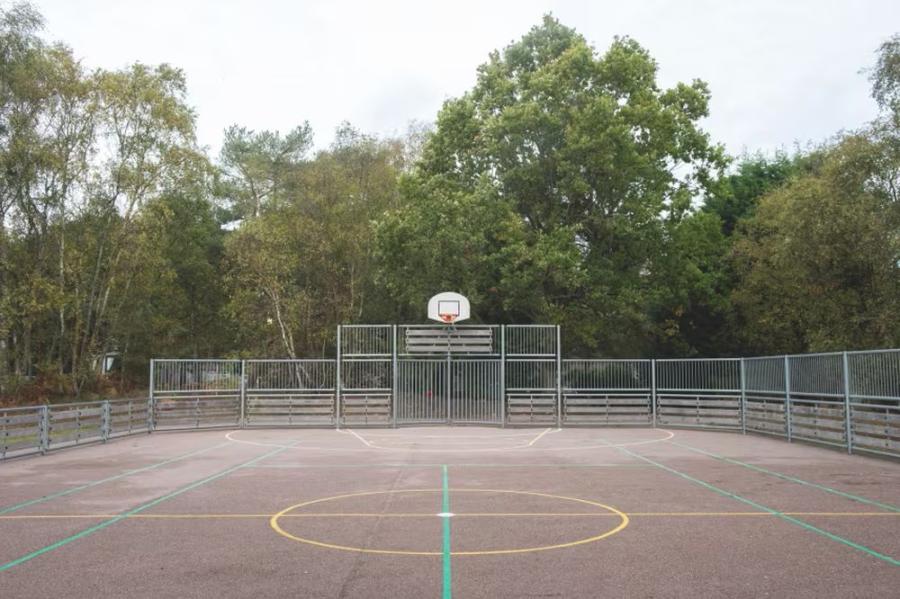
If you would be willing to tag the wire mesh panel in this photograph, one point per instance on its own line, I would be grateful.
(531, 392)
(765, 400)
(606, 391)
(699, 392)
(367, 340)
(422, 391)
(874, 395)
(365, 374)
(366, 391)
(196, 393)
(817, 398)
(290, 392)
(475, 391)
(531, 340)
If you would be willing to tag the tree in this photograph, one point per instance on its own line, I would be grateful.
(735, 195)
(885, 78)
(819, 263)
(256, 165)
(585, 150)
(304, 265)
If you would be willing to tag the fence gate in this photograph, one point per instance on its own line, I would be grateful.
(449, 374)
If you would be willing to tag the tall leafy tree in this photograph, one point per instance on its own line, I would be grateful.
(257, 164)
(593, 156)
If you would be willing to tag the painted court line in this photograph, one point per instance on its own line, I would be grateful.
(445, 450)
(313, 515)
(538, 438)
(71, 490)
(445, 546)
(792, 479)
(759, 506)
(132, 512)
(360, 437)
(423, 465)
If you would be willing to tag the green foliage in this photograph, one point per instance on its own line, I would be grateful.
(256, 165)
(566, 186)
(885, 77)
(735, 196)
(820, 261)
(304, 264)
(582, 149)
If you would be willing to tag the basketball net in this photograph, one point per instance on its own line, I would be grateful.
(448, 318)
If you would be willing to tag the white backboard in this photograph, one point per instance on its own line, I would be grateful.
(448, 307)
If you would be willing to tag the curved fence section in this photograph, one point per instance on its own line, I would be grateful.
(505, 376)
(699, 393)
(597, 392)
(38, 429)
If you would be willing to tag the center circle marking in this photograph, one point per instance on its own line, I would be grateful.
(274, 522)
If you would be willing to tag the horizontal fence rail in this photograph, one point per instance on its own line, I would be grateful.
(512, 375)
(38, 429)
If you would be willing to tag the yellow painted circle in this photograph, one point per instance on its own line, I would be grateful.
(274, 523)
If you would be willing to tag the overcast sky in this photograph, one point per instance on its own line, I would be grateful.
(780, 72)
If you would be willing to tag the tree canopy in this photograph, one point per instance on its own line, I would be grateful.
(566, 186)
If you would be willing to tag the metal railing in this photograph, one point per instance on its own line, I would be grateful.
(849, 400)
(38, 429)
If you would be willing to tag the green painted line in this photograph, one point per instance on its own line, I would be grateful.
(886, 506)
(137, 510)
(445, 508)
(65, 492)
(764, 508)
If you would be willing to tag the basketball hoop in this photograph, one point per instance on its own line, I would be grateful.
(448, 308)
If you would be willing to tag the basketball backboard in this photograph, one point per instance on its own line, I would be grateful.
(448, 307)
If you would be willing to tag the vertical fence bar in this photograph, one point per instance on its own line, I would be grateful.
(502, 375)
(743, 398)
(447, 415)
(44, 430)
(394, 380)
(558, 379)
(337, 382)
(848, 432)
(653, 391)
(242, 422)
(151, 399)
(105, 421)
(787, 397)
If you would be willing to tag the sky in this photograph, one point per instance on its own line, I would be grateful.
(781, 73)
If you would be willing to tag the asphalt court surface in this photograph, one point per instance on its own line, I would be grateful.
(449, 512)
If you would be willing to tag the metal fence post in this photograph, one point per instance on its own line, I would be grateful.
(151, 401)
(503, 376)
(105, 414)
(559, 398)
(44, 430)
(243, 393)
(394, 380)
(848, 430)
(337, 382)
(787, 397)
(743, 398)
(653, 391)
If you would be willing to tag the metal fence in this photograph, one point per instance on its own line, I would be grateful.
(38, 429)
(502, 376)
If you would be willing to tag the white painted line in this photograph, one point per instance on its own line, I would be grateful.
(360, 437)
(445, 450)
(538, 438)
